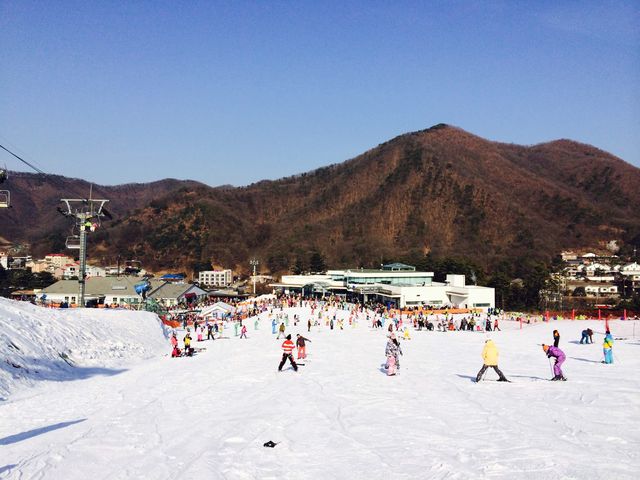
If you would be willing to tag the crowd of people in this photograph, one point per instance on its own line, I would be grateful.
(337, 314)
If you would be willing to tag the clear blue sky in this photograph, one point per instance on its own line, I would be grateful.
(234, 92)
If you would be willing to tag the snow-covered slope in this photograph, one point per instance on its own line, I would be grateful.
(44, 344)
(340, 416)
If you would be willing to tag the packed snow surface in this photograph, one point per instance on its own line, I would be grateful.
(43, 344)
(339, 417)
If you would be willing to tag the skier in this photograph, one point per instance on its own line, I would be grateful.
(287, 348)
(309, 325)
(585, 337)
(556, 338)
(188, 351)
(392, 351)
(406, 335)
(560, 358)
(280, 331)
(273, 326)
(300, 343)
(243, 332)
(199, 333)
(174, 343)
(210, 331)
(495, 325)
(490, 359)
(590, 333)
(607, 348)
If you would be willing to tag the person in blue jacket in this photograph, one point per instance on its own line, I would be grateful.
(607, 348)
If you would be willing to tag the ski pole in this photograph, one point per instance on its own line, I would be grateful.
(551, 367)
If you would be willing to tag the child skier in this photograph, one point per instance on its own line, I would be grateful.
(280, 330)
(560, 358)
(287, 348)
(243, 331)
(174, 343)
(392, 351)
(490, 359)
(188, 351)
(300, 343)
(607, 348)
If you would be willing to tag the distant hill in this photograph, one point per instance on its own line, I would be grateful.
(442, 191)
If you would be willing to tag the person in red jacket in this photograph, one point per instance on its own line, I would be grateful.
(287, 348)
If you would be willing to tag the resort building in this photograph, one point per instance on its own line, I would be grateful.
(395, 285)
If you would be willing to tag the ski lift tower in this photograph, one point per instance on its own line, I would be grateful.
(87, 214)
(254, 263)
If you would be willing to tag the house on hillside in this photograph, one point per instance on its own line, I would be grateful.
(108, 290)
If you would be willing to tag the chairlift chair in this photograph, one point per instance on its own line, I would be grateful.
(5, 199)
(73, 242)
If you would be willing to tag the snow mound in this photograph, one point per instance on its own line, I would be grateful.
(44, 344)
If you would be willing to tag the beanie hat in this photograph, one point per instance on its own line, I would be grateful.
(545, 347)
(289, 337)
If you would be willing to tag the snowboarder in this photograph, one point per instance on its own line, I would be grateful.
(490, 359)
(301, 345)
(243, 331)
(287, 348)
(556, 338)
(393, 350)
(560, 358)
(607, 348)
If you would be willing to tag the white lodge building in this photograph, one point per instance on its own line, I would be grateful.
(394, 284)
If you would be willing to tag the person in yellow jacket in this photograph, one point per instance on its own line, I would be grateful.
(490, 359)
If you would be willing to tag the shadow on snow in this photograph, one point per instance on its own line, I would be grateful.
(34, 433)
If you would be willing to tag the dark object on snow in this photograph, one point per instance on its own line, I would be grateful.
(269, 444)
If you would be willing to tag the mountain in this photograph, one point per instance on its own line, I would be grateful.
(34, 219)
(442, 191)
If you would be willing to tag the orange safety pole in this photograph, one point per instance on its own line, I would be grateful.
(624, 315)
(599, 315)
(573, 314)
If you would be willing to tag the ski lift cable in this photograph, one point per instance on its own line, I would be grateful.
(22, 160)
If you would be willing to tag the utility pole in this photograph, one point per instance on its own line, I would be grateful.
(87, 214)
(254, 263)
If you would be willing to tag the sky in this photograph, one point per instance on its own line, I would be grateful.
(239, 91)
